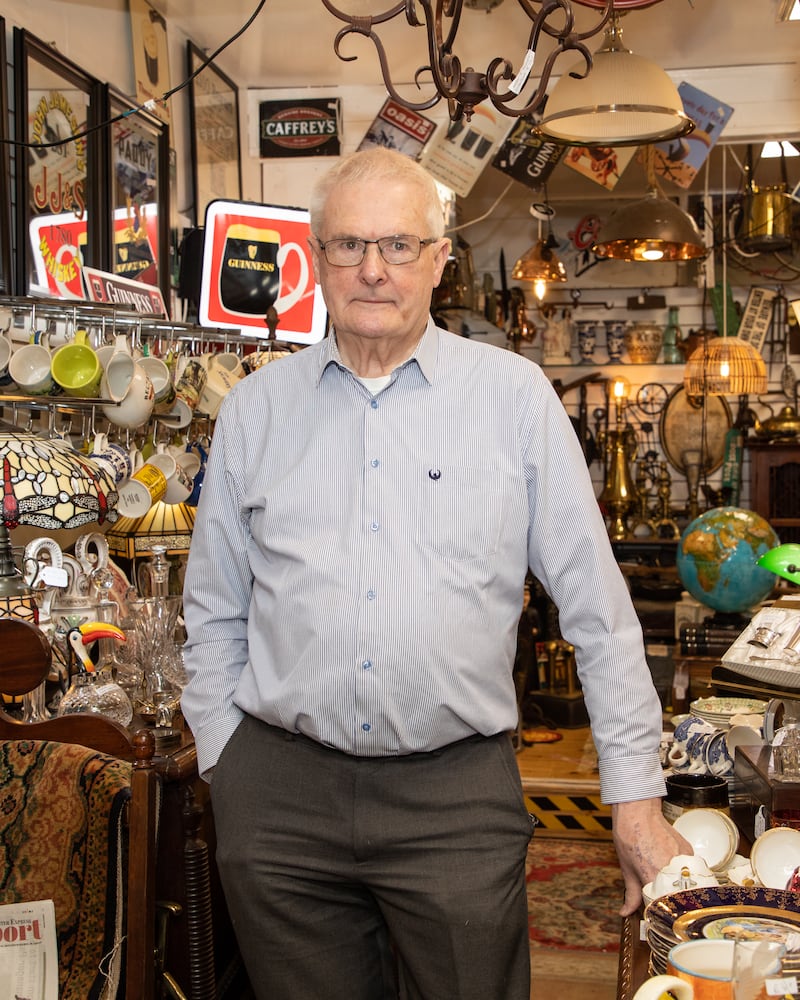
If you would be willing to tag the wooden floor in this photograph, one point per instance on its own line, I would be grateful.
(562, 786)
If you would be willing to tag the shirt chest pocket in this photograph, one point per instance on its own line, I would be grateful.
(461, 511)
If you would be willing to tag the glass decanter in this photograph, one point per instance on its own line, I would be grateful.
(785, 747)
(152, 577)
(153, 621)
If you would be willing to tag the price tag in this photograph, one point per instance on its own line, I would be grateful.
(54, 576)
(781, 987)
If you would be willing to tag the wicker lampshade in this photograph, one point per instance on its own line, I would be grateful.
(725, 366)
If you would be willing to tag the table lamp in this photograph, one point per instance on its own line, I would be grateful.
(48, 485)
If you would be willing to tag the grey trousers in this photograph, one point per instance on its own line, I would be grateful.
(352, 878)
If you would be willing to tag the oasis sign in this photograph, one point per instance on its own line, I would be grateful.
(299, 128)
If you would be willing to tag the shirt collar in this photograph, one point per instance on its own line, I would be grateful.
(424, 355)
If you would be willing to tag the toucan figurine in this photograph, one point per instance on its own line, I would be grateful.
(82, 635)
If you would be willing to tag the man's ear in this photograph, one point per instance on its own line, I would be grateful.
(441, 255)
(313, 246)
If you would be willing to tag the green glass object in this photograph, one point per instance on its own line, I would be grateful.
(672, 337)
(783, 560)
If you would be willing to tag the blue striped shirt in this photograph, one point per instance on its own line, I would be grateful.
(357, 564)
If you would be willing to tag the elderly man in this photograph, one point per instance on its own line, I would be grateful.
(369, 512)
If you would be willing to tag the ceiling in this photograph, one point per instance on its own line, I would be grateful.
(291, 41)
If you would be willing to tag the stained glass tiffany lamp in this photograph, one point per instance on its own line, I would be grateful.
(48, 485)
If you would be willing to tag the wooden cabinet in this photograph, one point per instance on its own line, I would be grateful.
(775, 485)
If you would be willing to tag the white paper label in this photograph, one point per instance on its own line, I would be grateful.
(54, 576)
(781, 987)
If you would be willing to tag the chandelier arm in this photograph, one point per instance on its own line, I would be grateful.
(501, 99)
(463, 89)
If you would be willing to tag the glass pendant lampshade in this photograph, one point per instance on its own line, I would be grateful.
(539, 265)
(625, 100)
(725, 366)
(650, 229)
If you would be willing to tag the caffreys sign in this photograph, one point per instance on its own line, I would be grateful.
(299, 128)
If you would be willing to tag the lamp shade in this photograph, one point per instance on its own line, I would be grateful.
(783, 561)
(725, 366)
(650, 229)
(624, 100)
(47, 484)
(165, 524)
(540, 263)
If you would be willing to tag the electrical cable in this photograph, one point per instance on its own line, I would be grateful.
(148, 106)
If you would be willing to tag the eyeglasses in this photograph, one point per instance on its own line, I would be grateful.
(393, 249)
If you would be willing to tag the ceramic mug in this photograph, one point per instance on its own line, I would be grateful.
(29, 367)
(161, 377)
(224, 371)
(122, 462)
(187, 392)
(658, 987)
(706, 965)
(179, 482)
(135, 407)
(145, 487)
(6, 351)
(76, 369)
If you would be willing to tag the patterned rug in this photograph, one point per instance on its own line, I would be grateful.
(58, 803)
(575, 890)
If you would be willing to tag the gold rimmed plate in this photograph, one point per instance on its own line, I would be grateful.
(730, 911)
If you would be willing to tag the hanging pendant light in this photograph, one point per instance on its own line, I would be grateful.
(540, 264)
(725, 366)
(650, 229)
(626, 100)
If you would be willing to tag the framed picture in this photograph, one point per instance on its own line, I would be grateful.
(6, 286)
(59, 178)
(138, 194)
(216, 154)
(150, 55)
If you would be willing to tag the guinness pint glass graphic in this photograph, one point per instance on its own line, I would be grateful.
(250, 278)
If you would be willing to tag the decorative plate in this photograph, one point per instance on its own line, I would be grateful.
(684, 915)
(720, 706)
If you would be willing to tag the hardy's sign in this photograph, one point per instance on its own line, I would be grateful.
(299, 128)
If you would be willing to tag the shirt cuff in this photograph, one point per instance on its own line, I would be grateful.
(627, 779)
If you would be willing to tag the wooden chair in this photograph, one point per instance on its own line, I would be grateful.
(97, 766)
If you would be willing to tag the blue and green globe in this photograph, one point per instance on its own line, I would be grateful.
(717, 559)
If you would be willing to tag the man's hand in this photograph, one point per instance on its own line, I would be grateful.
(645, 842)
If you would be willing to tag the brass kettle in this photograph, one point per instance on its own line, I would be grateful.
(782, 426)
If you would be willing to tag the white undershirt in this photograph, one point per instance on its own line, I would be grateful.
(375, 384)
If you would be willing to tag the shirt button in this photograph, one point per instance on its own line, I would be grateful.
(370, 595)
(374, 404)
(366, 726)
(374, 463)
(367, 664)
(374, 526)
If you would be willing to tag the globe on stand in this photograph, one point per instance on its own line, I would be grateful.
(717, 562)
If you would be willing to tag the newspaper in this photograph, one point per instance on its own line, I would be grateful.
(28, 951)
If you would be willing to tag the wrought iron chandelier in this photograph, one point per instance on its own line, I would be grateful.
(465, 88)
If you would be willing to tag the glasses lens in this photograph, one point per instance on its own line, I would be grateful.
(399, 249)
(345, 253)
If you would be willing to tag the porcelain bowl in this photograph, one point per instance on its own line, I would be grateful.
(775, 855)
(713, 835)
